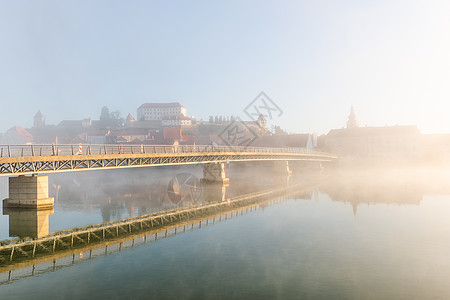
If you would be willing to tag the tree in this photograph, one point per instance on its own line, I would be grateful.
(115, 119)
(110, 119)
(277, 130)
(104, 115)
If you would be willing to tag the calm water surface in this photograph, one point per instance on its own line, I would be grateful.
(361, 235)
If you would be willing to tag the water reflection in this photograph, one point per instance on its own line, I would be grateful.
(87, 198)
(386, 186)
(295, 249)
(110, 196)
(214, 192)
(31, 223)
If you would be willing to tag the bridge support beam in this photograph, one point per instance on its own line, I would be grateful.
(28, 192)
(281, 167)
(214, 172)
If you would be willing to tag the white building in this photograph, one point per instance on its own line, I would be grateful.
(176, 121)
(159, 111)
(96, 137)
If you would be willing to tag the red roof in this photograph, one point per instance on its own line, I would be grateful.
(25, 134)
(160, 105)
(129, 118)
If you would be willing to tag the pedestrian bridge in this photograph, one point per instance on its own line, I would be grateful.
(32, 191)
(38, 159)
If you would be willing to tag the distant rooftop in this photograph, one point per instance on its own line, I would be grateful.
(22, 132)
(129, 118)
(70, 123)
(160, 105)
(373, 131)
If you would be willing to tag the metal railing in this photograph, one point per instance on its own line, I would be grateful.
(88, 149)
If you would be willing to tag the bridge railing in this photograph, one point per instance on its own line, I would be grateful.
(89, 149)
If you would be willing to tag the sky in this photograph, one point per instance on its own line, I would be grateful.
(314, 59)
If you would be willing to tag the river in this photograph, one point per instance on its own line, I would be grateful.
(356, 234)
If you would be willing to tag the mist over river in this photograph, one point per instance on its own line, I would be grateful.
(354, 234)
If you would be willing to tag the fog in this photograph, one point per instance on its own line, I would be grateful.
(352, 96)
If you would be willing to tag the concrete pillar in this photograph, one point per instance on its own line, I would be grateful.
(214, 192)
(31, 223)
(28, 192)
(282, 167)
(214, 172)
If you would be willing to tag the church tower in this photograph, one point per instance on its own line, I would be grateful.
(39, 120)
(352, 121)
(262, 122)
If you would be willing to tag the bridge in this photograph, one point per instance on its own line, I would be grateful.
(32, 191)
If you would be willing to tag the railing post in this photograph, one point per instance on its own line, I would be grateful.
(9, 151)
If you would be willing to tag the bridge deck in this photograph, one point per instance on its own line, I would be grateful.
(32, 159)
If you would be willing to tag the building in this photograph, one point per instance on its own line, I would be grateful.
(17, 135)
(158, 111)
(176, 121)
(129, 120)
(352, 121)
(39, 120)
(96, 136)
(286, 140)
(262, 122)
(375, 142)
(76, 123)
(133, 135)
(388, 142)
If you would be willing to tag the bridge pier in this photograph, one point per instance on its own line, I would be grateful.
(281, 167)
(214, 172)
(28, 192)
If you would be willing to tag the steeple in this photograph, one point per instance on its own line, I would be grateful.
(352, 121)
(262, 122)
(39, 120)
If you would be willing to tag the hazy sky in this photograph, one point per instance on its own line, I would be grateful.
(390, 59)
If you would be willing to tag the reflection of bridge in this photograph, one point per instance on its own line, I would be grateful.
(40, 255)
(38, 159)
